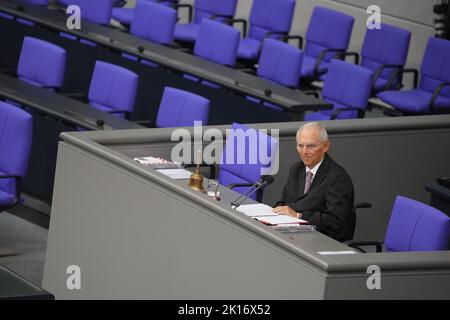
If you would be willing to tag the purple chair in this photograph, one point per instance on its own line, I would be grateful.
(210, 9)
(348, 88)
(39, 2)
(113, 89)
(280, 62)
(16, 132)
(41, 63)
(125, 15)
(217, 42)
(154, 22)
(96, 11)
(384, 51)
(413, 226)
(433, 93)
(242, 168)
(179, 108)
(328, 33)
(268, 19)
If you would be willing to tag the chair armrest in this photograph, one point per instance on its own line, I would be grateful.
(357, 244)
(436, 93)
(293, 37)
(244, 24)
(401, 72)
(321, 57)
(355, 55)
(339, 110)
(380, 70)
(17, 191)
(185, 5)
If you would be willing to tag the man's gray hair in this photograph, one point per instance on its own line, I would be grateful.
(322, 131)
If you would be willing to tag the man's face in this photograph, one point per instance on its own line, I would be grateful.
(310, 148)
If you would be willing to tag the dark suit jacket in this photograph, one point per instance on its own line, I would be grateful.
(329, 202)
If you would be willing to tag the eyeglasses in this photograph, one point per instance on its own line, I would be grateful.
(310, 147)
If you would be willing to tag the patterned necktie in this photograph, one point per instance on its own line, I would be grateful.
(309, 176)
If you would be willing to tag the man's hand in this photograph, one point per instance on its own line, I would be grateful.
(287, 212)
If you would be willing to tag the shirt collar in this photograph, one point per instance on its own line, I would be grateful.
(315, 168)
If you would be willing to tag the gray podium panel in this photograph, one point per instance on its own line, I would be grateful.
(136, 234)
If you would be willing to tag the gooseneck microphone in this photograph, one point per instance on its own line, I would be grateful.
(260, 184)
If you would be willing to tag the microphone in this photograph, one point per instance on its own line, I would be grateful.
(260, 184)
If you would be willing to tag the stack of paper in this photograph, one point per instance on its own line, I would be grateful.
(177, 174)
(264, 214)
(157, 163)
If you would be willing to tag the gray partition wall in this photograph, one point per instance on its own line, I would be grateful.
(135, 233)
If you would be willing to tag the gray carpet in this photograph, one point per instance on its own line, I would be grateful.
(29, 241)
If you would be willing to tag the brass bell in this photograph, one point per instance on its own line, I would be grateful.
(196, 180)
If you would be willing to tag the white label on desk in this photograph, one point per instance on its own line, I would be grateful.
(333, 253)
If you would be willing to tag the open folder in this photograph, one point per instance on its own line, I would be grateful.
(263, 213)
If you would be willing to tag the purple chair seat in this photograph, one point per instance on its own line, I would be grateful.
(308, 67)
(414, 101)
(16, 131)
(187, 31)
(123, 15)
(248, 48)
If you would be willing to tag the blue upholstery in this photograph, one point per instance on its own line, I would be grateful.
(125, 15)
(41, 63)
(280, 62)
(239, 167)
(187, 32)
(179, 108)
(346, 86)
(16, 131)
(96, 11)
(386, 46)
(39, 2)
(113, 88)
(154, 22)
(265, 16)
(217, 42)
(435, 70)
(327, 29)
(415, 226)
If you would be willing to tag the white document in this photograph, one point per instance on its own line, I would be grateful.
(332, 253)
(279, 219)
(177, 174)
(256, 210)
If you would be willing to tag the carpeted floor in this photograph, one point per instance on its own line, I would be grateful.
(26, 239)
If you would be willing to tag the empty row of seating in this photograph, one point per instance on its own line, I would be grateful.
(112, 88)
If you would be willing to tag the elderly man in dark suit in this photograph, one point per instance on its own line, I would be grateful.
(318, 189)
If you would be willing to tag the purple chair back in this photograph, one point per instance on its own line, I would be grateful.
(96, 11)
(280, 62)
(347, 86)
(241, 161)
(415, 226)
(113, 88)
(270, 15)
(388, 45)
(154, 22)
(179, 108)
(208, 8)
(16, 132)
(328, 29)
(217, 42)
(436, 66)
(41, 63)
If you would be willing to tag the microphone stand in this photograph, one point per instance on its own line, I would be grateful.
(236, 203)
